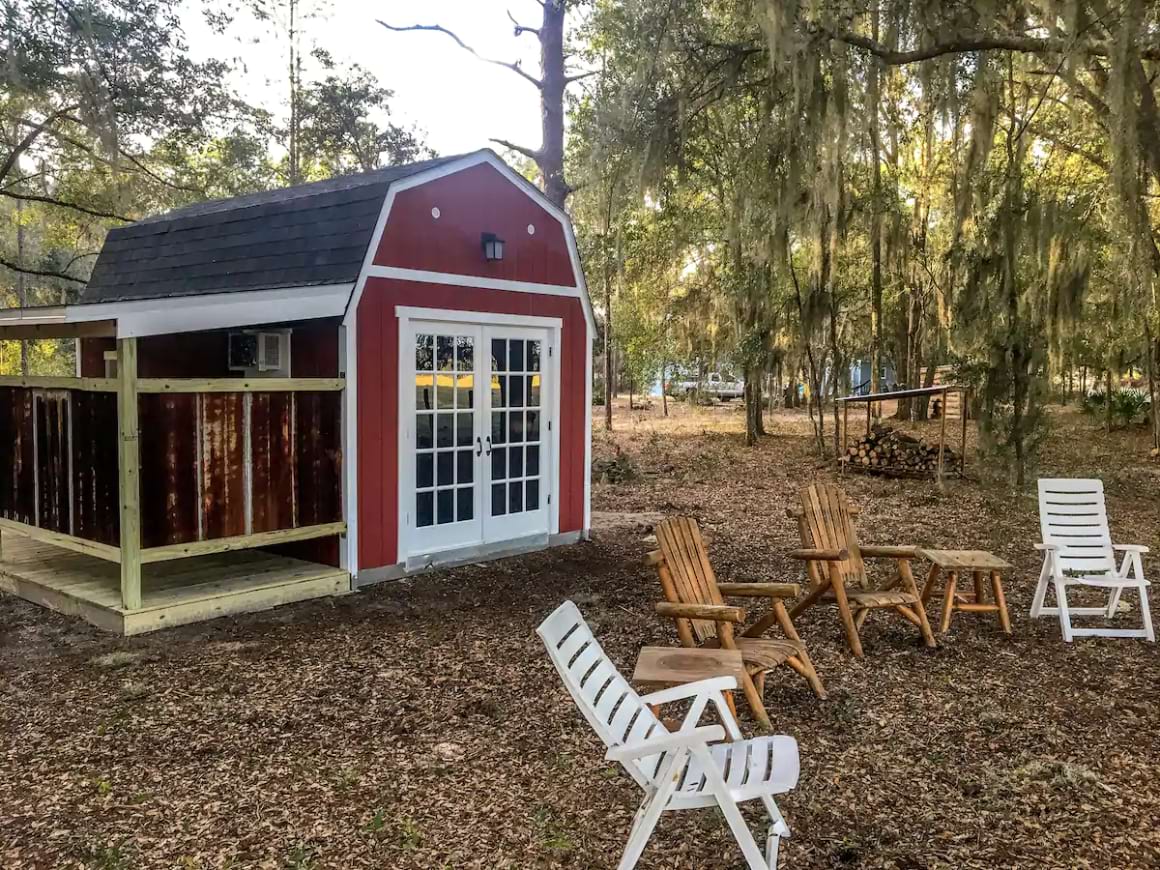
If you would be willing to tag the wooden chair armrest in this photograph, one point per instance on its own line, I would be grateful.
(714, 612)
(889, 552)
(820, 555)
(760, 590)
(654, 558)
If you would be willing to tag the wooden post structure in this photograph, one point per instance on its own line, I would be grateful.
(129, 470)
(845, 432)
(942, 437)
(964, 397)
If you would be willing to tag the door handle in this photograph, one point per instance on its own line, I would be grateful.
(489, 445)
(478, 446)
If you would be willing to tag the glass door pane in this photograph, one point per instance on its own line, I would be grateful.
(445, 447)
(517, 495)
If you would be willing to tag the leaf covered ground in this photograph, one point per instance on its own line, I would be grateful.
(419, 724)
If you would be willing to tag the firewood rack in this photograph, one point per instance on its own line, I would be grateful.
(940, 390)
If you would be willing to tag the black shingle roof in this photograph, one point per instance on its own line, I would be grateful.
(307, 235)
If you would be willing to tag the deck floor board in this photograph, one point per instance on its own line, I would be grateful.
(173, 593)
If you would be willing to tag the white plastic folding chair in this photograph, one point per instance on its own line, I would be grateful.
(1078, 551)
(687, 769)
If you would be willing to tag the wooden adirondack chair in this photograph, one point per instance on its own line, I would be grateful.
(695, 600)
(1078, 551)
(836, 571)
(679, 770)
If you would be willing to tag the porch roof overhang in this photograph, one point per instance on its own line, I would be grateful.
(166, 316)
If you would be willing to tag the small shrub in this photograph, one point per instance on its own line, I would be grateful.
(620, 468)
(1128, 405)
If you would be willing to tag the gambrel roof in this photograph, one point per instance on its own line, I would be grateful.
(307, 235)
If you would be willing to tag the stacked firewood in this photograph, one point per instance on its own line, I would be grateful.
(887, 449)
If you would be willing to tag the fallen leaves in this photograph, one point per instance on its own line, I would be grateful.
(420, 724)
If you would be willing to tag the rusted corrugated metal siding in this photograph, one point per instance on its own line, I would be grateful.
(54, 482)
(272, 461)
(169, 481)
(94, 467)
(222, 465)
(319, 458)
(202, 475)
(17, 464)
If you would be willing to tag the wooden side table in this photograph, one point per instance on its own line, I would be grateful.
(978, 562)
(658, 667)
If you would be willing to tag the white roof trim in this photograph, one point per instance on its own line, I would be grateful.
(140, 317)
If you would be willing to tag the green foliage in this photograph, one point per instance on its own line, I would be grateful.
(106, 116)
(1128, 405)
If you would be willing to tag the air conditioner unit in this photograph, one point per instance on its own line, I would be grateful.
(257, 352)
(270, 351)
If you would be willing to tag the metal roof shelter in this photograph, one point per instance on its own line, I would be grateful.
(869, 399)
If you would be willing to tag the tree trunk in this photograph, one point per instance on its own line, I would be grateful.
(553, 81)
(21, 291)
(1150, 348)
(875, 217)
(1108, 399)
(294, 158)
(607, 351)
(664, 392)
(1083, 381)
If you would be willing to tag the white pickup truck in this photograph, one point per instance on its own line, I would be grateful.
(714, 386)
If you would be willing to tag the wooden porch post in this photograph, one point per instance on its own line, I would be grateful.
(129, 473)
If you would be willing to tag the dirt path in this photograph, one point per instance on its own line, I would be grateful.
(419, 724)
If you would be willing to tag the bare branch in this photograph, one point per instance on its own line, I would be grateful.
(521, 29)
(575, 77)
(974, 42)
(136, 161)
(25, 143)
(60, 203)
(519, 149)
(70, 263)
(438, 28)
(42, 273)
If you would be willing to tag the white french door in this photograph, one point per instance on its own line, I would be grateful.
(516, 443)
(475, 445)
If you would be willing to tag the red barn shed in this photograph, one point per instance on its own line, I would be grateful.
(369, 375)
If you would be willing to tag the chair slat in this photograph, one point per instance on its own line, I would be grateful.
(679, 539)
(591, 673)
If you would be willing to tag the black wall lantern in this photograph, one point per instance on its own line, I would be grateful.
(492, 247)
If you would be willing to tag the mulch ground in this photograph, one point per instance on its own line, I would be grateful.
(419, 724)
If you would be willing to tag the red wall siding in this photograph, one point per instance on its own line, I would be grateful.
(313, 353)
(471, 202)
(378, 399)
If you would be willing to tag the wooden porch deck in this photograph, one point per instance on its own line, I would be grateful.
(173, 593)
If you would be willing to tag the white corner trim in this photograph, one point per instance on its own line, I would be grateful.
(348, 348)
(588, 438)
(455, 315)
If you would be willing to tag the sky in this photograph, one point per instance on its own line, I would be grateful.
(457, 100)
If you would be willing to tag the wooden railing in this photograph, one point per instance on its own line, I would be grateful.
(234, 431)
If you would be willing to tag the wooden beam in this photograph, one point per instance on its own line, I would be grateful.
(60, 539)
(17, 328)
(89, 385)
(239, 385)
(240, 542)
(129, 472)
